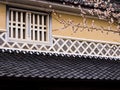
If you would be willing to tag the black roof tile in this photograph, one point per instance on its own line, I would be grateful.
(51, 66)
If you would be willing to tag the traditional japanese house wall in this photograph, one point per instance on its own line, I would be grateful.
(68, 25)
(2, 17)
(71, 30)
(59, 29)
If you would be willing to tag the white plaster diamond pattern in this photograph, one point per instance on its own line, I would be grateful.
(66, 46)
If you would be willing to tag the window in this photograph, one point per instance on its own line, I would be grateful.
(25, 25)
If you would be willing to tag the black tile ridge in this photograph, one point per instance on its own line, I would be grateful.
(11, 51)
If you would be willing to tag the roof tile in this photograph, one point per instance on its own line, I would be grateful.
(51, 66)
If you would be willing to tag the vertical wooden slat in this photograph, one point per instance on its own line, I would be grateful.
(47, 28)
(38, 30)
(11, 24)
(16, 25)
(29, 32)
(33, 26)
(27, 23)
(21, 23)
(42, 28)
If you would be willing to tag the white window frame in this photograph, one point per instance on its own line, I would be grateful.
(28, 28)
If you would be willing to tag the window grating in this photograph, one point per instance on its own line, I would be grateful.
(28, 25)
(17, 25)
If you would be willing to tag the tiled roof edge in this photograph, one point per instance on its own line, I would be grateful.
(58, 54)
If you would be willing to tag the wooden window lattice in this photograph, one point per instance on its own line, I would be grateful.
(28, 25)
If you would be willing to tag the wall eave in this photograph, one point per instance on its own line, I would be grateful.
(43, 4)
